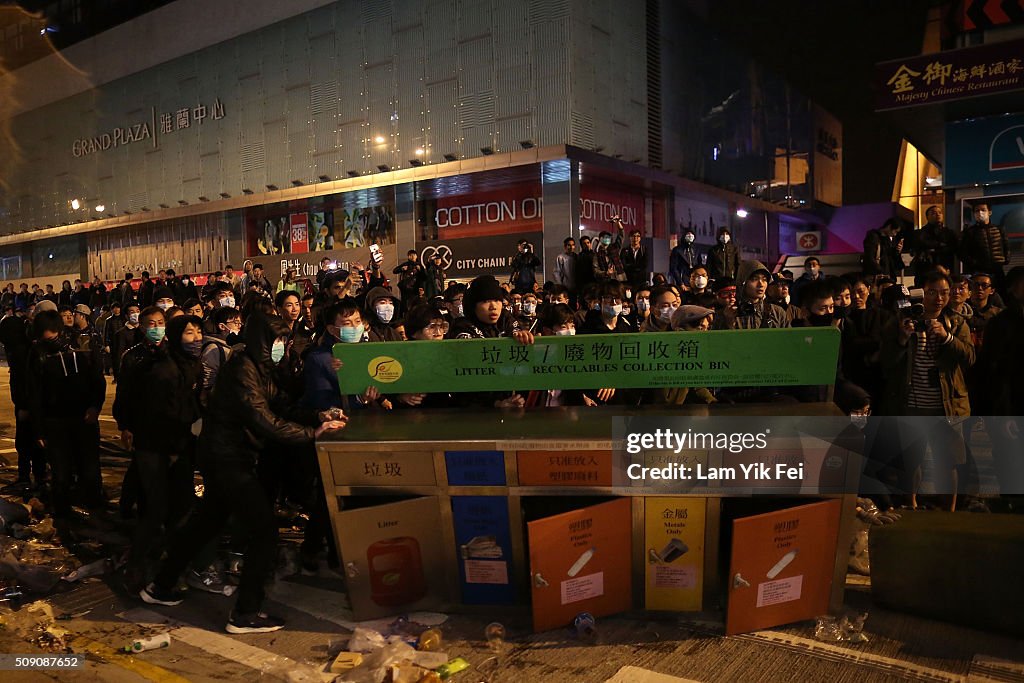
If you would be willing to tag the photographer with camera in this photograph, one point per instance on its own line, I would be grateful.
(926, 351)
(524, 268)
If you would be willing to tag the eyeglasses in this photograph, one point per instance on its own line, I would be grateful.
(438, 327)
(981, 285)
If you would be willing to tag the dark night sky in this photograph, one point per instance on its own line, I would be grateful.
(828, 50)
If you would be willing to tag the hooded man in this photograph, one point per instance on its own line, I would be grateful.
(753, 311)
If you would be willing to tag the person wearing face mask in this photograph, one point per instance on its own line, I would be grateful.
(527, 317)
(812, 273)
(186, 289)
(163, 298)
(723, 259)
(246, 410)
(984, 247)
(160, 434)
(454, 297)
(343, 323)
(642, 305)
(128, 336)
(664, 303)
(819, 311)
(683, 259)
(778, 294)
(380, 314)
(687, 318)
(557, 321)
(65, 392)
(607, 260)
(698, 285)
(606, 317)
(218, 345)
(841, 297)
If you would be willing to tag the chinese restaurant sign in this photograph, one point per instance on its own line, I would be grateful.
(771, 357)
(951, 75)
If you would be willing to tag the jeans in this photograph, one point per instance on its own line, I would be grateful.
(229, 489)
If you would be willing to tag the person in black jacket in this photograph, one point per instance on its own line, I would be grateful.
(486, 317)
(14, 335)
(882, 250)
(244, 413)
(66, 393)
(634, 261)
(159, 432)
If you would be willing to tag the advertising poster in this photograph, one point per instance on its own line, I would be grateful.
(580, 562)
(393, 562)
(770, 357)
(484, 549)
(781, 566)
(339, 227)
(299, 233)
(674, 553)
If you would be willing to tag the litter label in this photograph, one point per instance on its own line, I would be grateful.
(486, 571)
(582, 588)
(782, 590)
(667, 576)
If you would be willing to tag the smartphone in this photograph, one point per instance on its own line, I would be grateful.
(376, 254)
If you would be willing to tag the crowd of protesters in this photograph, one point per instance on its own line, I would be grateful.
(236, 378)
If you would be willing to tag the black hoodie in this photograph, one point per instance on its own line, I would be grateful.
(244, 411)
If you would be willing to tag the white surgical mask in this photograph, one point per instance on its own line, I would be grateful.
(643, 305)
(566, 332)
(458, 310)
(133, 318)
(786, 299)
(611, 311)
(228, 302)
(689, 238)
(665, 314)
(724, 239)
(163, 305)
(385, 312)
(529, 309)
(701, 282)
(596, 306)
(277, 352)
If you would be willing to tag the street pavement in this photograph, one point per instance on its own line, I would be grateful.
(98, 617)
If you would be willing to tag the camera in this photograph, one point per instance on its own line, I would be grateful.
(915, 311)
